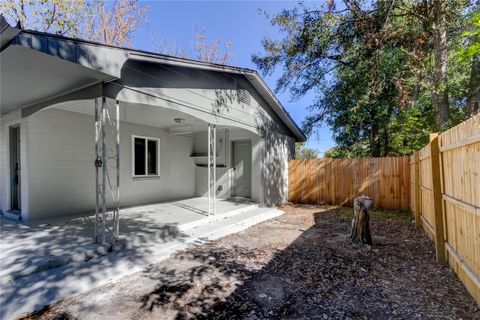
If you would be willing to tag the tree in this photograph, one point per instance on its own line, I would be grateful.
(62, 17)
(114, 23)
(337, 152)
(108, 22)
(163, 45)
(213, 51)
(471, 53)
(302, 152)
(371, 65)
(440, 95)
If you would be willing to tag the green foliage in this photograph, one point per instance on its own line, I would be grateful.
(472, 37)
(302, 152)
(371, 66)
(337, 152)
(410, 130)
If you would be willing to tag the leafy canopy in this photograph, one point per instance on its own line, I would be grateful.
(370, 64)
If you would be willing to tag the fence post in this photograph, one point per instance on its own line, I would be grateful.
(418, 205)
(437, 198)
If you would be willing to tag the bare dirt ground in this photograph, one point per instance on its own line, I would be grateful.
(297, 266)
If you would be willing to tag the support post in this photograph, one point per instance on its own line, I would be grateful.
(104, 168)
(418, 198)
(107, 223)
(209, 171)
(97, 169)
(212, 168)
(117, 146)
(437, 198)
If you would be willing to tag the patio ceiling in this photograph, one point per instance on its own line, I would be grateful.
(29, 77)
(147, 115)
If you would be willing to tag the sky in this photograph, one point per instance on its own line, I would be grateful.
(242, 23)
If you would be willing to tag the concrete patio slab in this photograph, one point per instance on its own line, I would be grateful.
(38, 289)
(30, 248)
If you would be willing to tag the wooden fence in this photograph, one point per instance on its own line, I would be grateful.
(445, 198)
(339, 181)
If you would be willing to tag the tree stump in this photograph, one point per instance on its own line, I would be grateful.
(361, 221)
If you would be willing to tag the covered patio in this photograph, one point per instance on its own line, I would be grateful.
(44, 262)
(29, 248)
(98, 143)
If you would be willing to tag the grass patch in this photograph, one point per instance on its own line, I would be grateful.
(346, 214)
(388, 215)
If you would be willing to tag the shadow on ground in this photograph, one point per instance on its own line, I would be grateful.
(42, 260)
(297, 266)
(319, 275)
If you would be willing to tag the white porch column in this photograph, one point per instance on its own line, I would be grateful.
(107, 133)
(212, 168)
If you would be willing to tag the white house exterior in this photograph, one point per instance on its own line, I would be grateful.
(50, 86)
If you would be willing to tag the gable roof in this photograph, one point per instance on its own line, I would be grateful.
(51, 44)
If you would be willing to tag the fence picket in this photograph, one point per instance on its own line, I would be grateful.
(339, 181)
(459, 150)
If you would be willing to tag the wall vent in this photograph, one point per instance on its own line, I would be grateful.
(243, 95)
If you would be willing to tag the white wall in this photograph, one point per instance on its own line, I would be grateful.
(225, 175)
(279, 149)
(270, 156)
(57, 154)
(61, 177)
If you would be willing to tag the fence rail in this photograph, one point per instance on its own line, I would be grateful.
(339, 181)
(447, 204)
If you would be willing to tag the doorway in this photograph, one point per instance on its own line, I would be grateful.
(242, 168)
(15, 169)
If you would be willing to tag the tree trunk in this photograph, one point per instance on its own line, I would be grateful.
(473, 98)
(361, 221)
(440, 96)
(375, 147)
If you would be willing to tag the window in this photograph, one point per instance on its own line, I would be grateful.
(145, 156)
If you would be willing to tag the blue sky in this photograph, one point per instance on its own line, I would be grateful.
(240, 22)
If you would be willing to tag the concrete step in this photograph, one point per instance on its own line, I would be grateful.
(240, 223)
(215, 217)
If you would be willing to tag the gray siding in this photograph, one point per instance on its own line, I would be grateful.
(211, 96)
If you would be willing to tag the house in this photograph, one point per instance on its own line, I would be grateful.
(87, 126)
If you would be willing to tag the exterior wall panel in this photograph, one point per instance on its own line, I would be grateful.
(61, 172)
(225, 175)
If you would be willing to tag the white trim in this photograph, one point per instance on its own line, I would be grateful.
(146, 175)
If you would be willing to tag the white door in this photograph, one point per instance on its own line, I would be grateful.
(242, 168)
